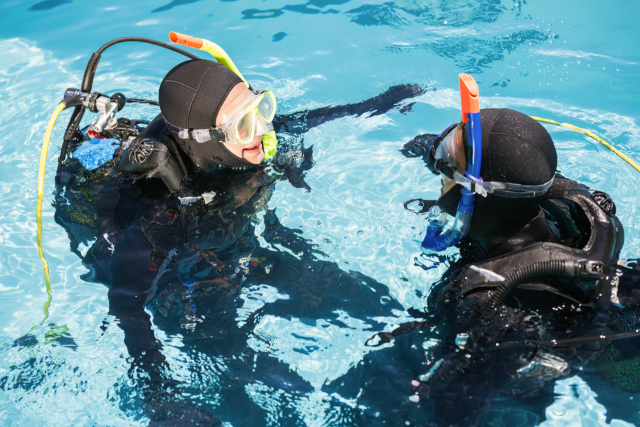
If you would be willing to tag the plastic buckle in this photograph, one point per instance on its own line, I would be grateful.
(447, 170)
(605, 202)
(476, 185)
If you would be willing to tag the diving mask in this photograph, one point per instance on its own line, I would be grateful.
(253, 118)
(447, 157)
(244, 123)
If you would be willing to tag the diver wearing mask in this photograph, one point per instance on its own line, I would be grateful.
(174, 215)
(537, 286)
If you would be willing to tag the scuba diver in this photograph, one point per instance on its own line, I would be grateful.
(536, 293)
(171, 215)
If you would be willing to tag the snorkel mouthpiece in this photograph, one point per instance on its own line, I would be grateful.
(269, 144)
(436, 238)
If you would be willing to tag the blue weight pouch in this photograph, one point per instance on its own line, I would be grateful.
(96, 152)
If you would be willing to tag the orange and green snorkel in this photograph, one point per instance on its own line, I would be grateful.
(208, 46)
(269, 140)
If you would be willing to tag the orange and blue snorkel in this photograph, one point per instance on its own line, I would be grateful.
(436, 239)
(471, 116)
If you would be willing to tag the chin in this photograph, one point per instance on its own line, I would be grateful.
(256, 159)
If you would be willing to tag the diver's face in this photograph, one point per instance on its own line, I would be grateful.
(237, 98)
(456, 158)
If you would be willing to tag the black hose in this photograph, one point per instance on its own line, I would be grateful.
(92, 65)
(557, 343)
(145, 40)
(78, 111)
(74, 122)
(89, 74)
(561, 342)
(143, 101)
(566, 268)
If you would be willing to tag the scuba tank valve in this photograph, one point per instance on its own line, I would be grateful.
(108, 107)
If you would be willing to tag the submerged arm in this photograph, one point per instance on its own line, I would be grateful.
(393, 97)
(130, 257)
(419, 147)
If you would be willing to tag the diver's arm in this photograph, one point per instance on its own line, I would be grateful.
(139, 255)
(300, 122)
(276, 233)
(393, 97)
(419, 147)
(134, 270)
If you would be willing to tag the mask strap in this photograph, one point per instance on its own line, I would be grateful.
(502, 189)
(511, 190)
(200, 135)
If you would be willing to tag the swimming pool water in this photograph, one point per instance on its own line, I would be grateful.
(567, 61)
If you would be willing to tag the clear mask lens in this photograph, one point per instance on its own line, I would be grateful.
(267, 107)
(244, 128)
(449, 151)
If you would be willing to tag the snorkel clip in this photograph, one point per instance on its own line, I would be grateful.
(471, 183)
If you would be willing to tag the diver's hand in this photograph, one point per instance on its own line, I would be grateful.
(419, 206)
(419, 146)
(296, 174)
(392, 98)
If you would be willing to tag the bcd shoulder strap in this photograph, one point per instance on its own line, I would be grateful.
(153, 154)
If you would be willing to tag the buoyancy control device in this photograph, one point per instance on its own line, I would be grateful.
(581, 275)
(153, 154)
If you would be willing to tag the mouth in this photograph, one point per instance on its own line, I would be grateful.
(254, 148)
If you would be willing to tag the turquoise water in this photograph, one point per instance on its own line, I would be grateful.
(564, 61)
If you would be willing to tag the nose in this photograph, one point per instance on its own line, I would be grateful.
(261, 128)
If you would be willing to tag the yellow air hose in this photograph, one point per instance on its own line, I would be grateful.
(43, 165)
(592, 135)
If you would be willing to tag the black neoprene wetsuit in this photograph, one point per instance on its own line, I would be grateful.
(189, 261)
(461, 368)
